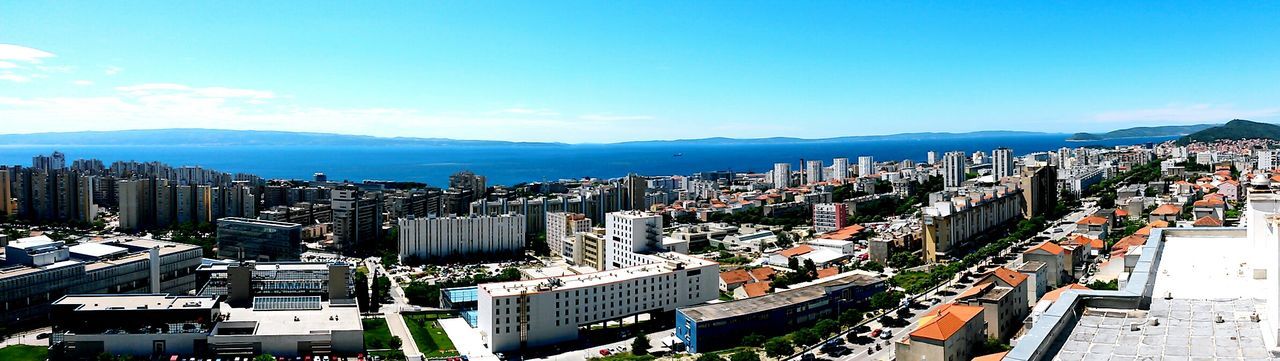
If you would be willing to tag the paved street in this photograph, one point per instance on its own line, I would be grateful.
(392, 313)
(1055, 230)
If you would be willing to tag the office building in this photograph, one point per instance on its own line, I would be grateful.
(38, 270)
(781, 175)
(829, 217)
(629, 234)
(537, 313)
(718, 326)
(866, 165)
(1002, 163)
(953, 169)
(840, 168)
(256, 239)
(440, 237)
(357, 218)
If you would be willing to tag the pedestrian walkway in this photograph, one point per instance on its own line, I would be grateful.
(466, 339)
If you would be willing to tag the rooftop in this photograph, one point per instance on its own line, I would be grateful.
(780, 298)
(329, 317)
(663, 263)
(102, 302)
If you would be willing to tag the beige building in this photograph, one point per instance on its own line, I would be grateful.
(1002, 294)
(951, 223)
(949, 332)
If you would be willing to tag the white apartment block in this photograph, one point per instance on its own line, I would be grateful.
(541, 312)
(1002, 162)
(953, 169)
(628, 234)
(840, 168)
(781, 175)
(561, 227)
(866, 165)
(455, 236)
(812, 171)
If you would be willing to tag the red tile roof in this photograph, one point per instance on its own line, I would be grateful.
(1092, 221)
(974, 291)
(796, 251)
(828, 272)
(1055, 294)
(1167, 210)
(1047, 246)
(735, 276)
(763, 274)
(1122, 213)
(1013, 278)
(992, 357)
(950, 318)
(756, 289)
(1207, 221)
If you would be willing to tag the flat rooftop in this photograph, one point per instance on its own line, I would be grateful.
(328, 318)
(663, 263)
(1187, 330)
(102, 302)
(809, 291)
(270, 266)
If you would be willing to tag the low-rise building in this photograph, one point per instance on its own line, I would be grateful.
(948, 332)
(1002, 294)
(257, 239)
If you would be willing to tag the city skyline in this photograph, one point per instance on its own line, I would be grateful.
(534, 73)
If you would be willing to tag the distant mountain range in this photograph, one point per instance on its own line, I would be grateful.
(1161, 131)
(222, 137)
(1235, 129)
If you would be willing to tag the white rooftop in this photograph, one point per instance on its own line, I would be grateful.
(663, 263)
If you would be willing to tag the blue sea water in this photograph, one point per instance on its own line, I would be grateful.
(510, 164)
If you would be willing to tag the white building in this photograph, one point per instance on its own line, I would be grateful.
(931, 157)
(781, 175)
(812, 171)
(829, 217)
(628, 234)
(1002, 162)
(866, 165)
(454, 236)
(561, 227)
(840, 168)
(953, 169)
(1266, 159)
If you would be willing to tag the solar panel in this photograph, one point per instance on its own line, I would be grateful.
(286, 303)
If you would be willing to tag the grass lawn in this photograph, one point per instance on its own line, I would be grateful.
(376, 333)
(625, 357)
(428, 334)
(24, 353)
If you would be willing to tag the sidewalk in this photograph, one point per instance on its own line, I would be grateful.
(27, 338)
(466, 339)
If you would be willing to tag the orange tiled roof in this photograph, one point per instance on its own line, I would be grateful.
(950, 318)
(763, 274)
(828, 272)
(1122, 213)
(844, 233)
(1207, 221)
(992, 357)
(796, 251)
(735, 276)
(1053, 295)
(1159, 223)
(1047, 247)
(1092, 221)
(1013, 278)
(1167, 210)
(756, 289)
(1209, 202)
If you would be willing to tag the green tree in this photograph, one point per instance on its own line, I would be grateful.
(709, 357)
(753, 340)
(395, 342)
(804, 337)
(640, 346)
(265, 357)
(851, 317)
(777, 347)
(886, 299)
(744, 355)
(826, 327)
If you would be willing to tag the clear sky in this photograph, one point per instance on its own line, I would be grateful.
(603, 71)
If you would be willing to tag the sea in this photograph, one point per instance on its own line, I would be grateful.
(514, 163)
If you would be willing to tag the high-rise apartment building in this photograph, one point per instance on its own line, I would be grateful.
(866, 165)
(812, 171)
(953, 169)
(357, 218)
(829, 217)
(840, 168)
(781, 175)
(441, 237)
(561, 227)
(630, 233)
(52, 162)
(932, 157)
(1002, 162)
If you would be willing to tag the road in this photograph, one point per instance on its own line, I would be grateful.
(655, 339)
(954, 286)
(392, 313)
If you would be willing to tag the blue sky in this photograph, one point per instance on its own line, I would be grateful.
(597, 71)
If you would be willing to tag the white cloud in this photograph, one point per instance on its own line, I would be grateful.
(528, 111)
(7, 65)
(16, 78)
(1188, 113)
(82, 82)
(614, 117)
(22, 53)
(112, 70)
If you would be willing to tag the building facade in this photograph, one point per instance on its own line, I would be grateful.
(440, 237)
